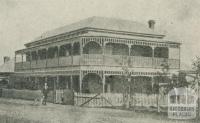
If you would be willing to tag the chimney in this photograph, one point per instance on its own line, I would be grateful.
(151, 24)
(6, 59)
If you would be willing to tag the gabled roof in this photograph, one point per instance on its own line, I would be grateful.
(102, 23)
(7, 67)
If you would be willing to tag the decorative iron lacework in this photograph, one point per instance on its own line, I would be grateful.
(103, 40)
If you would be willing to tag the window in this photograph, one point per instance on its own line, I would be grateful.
(65, 50)
(42, 54)
(52, 52)
(28, 56)
(138, 50)
(34, 55)
(161, 52)
(76, 48)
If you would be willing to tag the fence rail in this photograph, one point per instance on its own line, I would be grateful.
(117, 100)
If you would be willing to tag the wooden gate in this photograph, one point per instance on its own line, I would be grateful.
(97, 100)
(118, 100)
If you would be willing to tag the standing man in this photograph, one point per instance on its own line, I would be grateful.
(45, 93)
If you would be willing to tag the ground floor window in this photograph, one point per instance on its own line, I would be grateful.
(114, 84)
(75, 83)
(64, 82)
(92, 83)
(141, 84)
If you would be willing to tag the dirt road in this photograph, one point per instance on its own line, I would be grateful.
(54, 113)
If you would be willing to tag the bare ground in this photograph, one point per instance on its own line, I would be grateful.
(55, 113)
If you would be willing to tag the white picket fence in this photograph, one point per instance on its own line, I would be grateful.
(149, 100)
(117, 100)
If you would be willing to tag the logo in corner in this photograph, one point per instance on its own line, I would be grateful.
(182, 103)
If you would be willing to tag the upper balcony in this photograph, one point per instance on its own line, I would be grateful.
(99, 60)
(100, 54)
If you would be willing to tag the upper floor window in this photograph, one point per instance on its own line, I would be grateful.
(161, 52)
(28, 56)
(116, 49)
(139, 50)
(33, 55)
(76, 48)
(42, 54)
(65, 50)
(52, 52)
(92, 48)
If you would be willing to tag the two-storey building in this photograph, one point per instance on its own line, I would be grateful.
(91, 55)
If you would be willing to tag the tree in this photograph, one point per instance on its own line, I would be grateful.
(182, 82)
(196, 67)
(126, 78)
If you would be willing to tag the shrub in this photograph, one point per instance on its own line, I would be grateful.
(21, 94)
(68, 97)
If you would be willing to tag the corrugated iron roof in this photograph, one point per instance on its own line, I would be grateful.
(102, 23)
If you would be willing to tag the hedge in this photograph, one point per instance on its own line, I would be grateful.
(25, 94)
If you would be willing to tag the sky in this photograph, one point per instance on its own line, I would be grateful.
(21, 21)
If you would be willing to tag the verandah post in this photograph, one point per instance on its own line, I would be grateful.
(103, 81)
(54, 89)
(80, 81)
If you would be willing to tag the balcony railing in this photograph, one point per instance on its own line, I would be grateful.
(34, 64)
(18, 66)
(65, 61)
(139, 61)
(26, 65)
(52, 62)
(91, 59)
(174, 63)
(114, 60)
(106, 60)
(41, 63)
